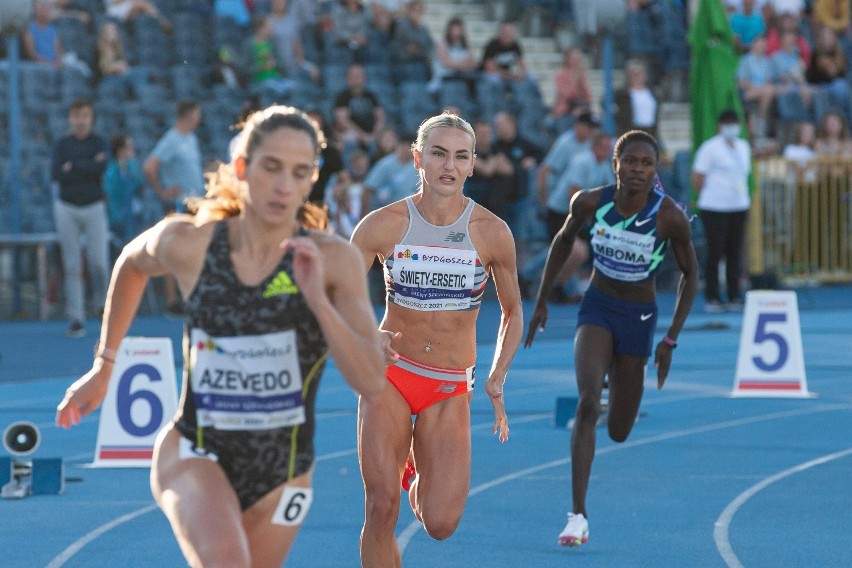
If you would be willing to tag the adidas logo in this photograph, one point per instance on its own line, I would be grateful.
(280, 285)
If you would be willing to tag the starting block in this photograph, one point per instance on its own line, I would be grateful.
(22, 477)
(566, 407)
(40, 476)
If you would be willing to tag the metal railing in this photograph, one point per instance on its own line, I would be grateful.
(800, 225)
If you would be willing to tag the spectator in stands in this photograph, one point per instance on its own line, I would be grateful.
(454, 59)
(789, 69)
(503, 58)
(720, 176)
(834, 14)
(833, 137)
(123, 185)
(493, 174)
(112, 62)
(347, 197)
(358, 114)
(636, 107)
(787, 22)
(41, 37)
(588, 168)
(125, 10)
(80, 214)
(261, 64)
(287, 39)
(331, 158)
(563, 149)
(174, 171)
(747, 23)
(350, 23)
(394, 176)
(573, 90)
(801, 152)
(757, 84)
(385, 12)
(827, 69)
(524, 157)
(412, 46)
(386, 141)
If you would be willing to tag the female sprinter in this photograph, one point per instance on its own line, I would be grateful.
(266, 296)
(632, 223)
(438, 248)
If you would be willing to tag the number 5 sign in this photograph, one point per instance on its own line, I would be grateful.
(770, 361)
(141, 397)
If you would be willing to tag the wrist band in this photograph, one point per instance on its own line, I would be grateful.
(670, 342)
(104, 353)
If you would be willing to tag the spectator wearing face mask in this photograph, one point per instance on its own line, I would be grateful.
(720, 176)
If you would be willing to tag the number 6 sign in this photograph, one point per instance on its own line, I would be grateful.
(770, 361)
(141, 397)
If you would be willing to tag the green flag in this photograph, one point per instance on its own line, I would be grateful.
(712, 70)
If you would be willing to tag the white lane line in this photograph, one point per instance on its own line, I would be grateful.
(723, 523)
(75, 547)
(412, 529)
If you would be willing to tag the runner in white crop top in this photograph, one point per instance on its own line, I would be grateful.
(437, 248)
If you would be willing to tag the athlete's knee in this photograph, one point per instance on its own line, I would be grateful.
(382, 507)
(619, 430)
(223, 553)
(588, 409)
(442, 526)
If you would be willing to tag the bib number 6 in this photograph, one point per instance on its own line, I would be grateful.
(293, 507)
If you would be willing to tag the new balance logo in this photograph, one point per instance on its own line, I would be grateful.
(455, 237)
(645, 317)
(642, 222)
(446, 388)
(280, 285)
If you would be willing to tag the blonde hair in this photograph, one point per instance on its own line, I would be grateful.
(444, 120)
(224, 197)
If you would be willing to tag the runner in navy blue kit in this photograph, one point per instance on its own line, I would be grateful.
(268, 301)
(632, 223)
(438, 248)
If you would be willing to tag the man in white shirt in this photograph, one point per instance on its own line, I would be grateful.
(720, 176)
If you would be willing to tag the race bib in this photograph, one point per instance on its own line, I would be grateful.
(248, 382)
(433, 278)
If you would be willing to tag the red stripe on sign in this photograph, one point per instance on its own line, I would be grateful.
(769, 386)
(126, 454)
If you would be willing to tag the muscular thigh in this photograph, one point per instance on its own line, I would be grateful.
(195, 496)
(626, 385)
(273, 522)
(384, 440)
(442, 454)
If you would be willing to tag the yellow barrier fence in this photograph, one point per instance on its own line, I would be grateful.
(800, 224)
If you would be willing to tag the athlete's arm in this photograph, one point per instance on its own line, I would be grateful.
(673, 224)
(333, 281)
(167, 247)
(583, 206)
(500, 252)
(374, 237)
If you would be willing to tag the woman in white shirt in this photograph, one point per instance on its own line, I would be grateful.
(720, 176)
(454, 59)
(636, 105)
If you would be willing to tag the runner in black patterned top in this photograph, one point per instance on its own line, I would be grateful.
(269, 298)
(438, 248)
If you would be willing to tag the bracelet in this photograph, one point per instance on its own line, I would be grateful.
(104, 353)
(670, 342)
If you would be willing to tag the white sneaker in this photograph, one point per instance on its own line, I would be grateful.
(576, 532)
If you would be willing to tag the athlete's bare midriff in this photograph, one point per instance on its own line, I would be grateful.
(441, 338)
(644, 291)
